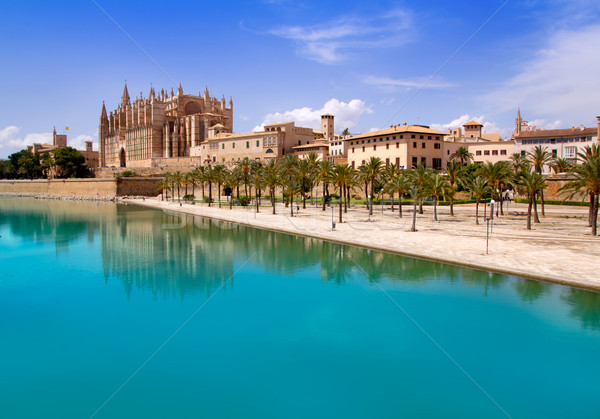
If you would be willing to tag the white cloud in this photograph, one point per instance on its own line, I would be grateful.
(559, 80)
(488, 126)
(542, 123)
(330, 42)
(390, 83)
(11, 141)
(346, 115)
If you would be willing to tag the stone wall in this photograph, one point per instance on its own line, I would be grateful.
(83, 187)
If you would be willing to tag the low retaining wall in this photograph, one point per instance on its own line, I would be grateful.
(83, 187)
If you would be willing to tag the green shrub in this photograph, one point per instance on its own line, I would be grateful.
(206, 200)
(129, 173)
(189, 198)
(554, 202)
(244, 201)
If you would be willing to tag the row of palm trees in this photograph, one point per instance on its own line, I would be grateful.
(299, 179)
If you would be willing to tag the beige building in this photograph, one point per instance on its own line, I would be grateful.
(60, 141)
(275, 141)
(560, 143)
(491, 151)
(403, 145)
(161, 129)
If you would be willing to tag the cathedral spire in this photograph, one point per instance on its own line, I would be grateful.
(518, 122)
(179, 90)
(125, 100)
(103, 113)
(230, 103)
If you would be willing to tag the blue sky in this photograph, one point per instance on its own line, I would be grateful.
(371, 64)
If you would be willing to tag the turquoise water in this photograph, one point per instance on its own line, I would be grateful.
(119, 311)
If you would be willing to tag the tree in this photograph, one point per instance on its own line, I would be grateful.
(479, 188)
(245, 166)
(439, 188)
(420, 178)
(462, 155)
(272, 180)
(340, 177)
(454, 173)
(497, 174)
(372, 169)
(561, 165)
(218, 174)
(587, 182)
(69, 161)
(540, 157)
(346, 132)
(178, 181)
(519, 162)
(325, 171)
(25, 165)
(531, 183)
(400, 184)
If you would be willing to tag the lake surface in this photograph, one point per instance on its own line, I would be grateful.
(111, 311)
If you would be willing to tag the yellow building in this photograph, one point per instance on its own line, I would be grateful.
(403, 145)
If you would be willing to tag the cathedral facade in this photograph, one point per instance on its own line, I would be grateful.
(160, 130)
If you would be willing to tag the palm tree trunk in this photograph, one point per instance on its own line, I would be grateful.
(273, 199)
(477, 212)
(542, 198)
(371, 199)
(536, 218)
(420, 206)
(414, 220)
(324, 191)
(367, 194)
(435, 210)
(392, 198)
(209, 193)
(400, 205)
(303, 201)
(291, 202)
(591, 210)
(345, 199)
(529, 211)
(340, 203)
(219, 197)
(595, 216)
(452, 206)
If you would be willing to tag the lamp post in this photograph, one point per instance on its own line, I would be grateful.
(492, 202)
(369, 205)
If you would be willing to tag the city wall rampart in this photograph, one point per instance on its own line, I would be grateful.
(83, 187)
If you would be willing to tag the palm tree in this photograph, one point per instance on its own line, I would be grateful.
(272, 180)
(163, 184)
(341, 175)
(519, 162)
(400, 184)
(561, 165)
(531, 183)
(200, 180)
(420, 178)
(389, 172)
(373, 168)
(462, 154)
(209, 178)
(257, 179)
(218, 175)
(439, 187)
(479, 188)
(313, 161)
(325, 170)
(587, 181)
(229, 182)
(540, 157)
(304, 172)
(245, 166)
(497, 174)
(454, 174)
(288, 166)
(178, 181)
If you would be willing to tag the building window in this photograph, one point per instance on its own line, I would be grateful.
(437, 163)
(422, 145)
(424, 161)
(353, 149)
(353, 164)
(414, 144)
(415, 161)
(247, 144)
(387, 146)
(570, 152)
(478, 153)
(554, 153)
(394, 137)
(398, 161)
(486, 152)
(413, 136)
(374, 147)
(257, 143)
(397, 145)
(232, 145)
(363, 149)
(387, 162)
(223, 146)
(503, 152)
(437, 146)
(523, 154)
(494, 152)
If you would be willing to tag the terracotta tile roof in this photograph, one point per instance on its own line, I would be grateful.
(549, 133)
(473, 122)
(302, 147)
(398, 129)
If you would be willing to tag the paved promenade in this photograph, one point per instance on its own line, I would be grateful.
(560, 249)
